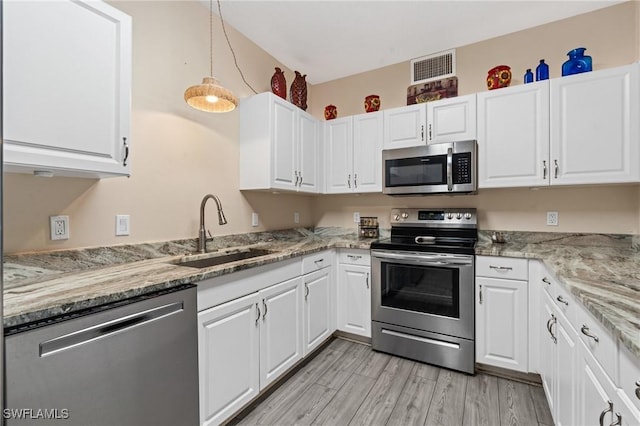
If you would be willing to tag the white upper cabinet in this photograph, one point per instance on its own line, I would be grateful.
(67, 86)
(354, 154)
(279, 145)
(405, 126)
(513, 136)
(451, 119)
(594, 127)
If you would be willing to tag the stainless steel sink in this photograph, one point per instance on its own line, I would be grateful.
(215, 259)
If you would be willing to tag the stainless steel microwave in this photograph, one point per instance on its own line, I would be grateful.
(444, 168)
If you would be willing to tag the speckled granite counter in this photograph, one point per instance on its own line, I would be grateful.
(601, 271)
(42, 285)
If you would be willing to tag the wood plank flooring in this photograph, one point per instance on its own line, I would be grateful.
(350, 384)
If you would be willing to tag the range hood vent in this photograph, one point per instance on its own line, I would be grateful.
(433, 67)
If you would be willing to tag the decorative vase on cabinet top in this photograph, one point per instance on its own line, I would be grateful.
(330, 112)
(299, 91)
(578, 62)
(372, 103)
(542, 71)
(499, 76)
(279, 84)
(528, 76)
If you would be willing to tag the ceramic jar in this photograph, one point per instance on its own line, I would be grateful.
(372, 103)
(279, 84)
(499, 76)
(330, 112)
(298, 95)
(578, 62)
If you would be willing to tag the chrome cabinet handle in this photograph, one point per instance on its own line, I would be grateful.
(354, 257)
(638, 389)
(501, 268)
(258, 309)
(481, 294)
(126, 152)
(355, 180)
(546, 281)
(367, 280)
(430, 132)
(561, 300)
(318, 261)
(553, 321)
(422, 132)
(555, 168)
(264, 304)
(295, 173)
(349, 181)
(544, 169)
(618, 421)
(585, 331)
(300, 184)
(605, 411)
(306, 291)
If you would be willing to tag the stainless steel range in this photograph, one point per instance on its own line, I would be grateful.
(423, 287)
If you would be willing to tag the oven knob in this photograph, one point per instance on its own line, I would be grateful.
(467, 216)
(396, 217)
(405, 215)
(459, 216)
(450, 216)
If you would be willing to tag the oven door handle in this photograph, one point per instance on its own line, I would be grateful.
(423, 258)
(450, 169)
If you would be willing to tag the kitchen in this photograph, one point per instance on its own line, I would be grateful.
(197, 147)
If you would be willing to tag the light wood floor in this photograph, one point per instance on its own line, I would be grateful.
(349, 384)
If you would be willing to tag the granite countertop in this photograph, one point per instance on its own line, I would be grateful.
(601, 271)
(38, 286)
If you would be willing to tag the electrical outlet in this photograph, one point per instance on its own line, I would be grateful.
(122, 224)
(254, 219)
(59, 227)
(356, 217)
(296, 217)
(552, 218)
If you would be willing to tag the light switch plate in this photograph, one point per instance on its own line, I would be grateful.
(122, 224)
(254, 219)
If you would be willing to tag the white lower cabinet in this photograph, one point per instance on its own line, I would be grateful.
(228, 358)
(317, 308)
(354, 292)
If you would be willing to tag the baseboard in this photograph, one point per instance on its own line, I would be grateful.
(528, 378)
(353, 337)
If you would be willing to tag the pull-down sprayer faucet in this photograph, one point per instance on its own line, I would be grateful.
(202, 237)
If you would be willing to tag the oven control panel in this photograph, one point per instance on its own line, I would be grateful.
(453, 218)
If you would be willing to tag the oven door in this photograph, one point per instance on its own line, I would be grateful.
(426, 291)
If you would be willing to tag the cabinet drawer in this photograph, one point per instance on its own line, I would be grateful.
(502, 267)
(316, 261)
(629, 380)
(601, 344)
(564, 302)
(354, 257)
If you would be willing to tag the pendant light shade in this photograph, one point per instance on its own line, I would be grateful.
(210, 96)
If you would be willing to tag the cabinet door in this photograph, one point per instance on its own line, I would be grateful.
(566, 368)
(513, 136)
(354, 299)
(594, 127)
(453, 119)
(339, 155)
(317, 308)
(280, 329)
(285, 149)
(367, 152)
(309, 150)
(593, 392)
(501, 323)
(547, 348)
(228, 358)
(67, 85)
(405, 126)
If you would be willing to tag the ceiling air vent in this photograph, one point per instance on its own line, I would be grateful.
(433, 67)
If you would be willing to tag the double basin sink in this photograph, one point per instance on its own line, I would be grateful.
(215, 259)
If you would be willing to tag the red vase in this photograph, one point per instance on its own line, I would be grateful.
(279, 84)
(298, 95)
(372, 103)
(498, 77)
(330, 112)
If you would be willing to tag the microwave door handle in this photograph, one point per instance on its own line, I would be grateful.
(450, 169)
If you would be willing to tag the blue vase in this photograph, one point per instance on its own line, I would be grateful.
(577, 62)
(528, 76)
(542, 71)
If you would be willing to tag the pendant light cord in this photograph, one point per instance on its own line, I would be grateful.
(224, 30)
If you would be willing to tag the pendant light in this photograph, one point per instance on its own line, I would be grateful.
(210, 96)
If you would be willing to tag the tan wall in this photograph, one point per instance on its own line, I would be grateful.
(178, 154)
(610, 36)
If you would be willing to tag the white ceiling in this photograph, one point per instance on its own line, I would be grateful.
(331, 39)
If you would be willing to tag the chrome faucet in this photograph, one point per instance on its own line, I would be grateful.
(202, 238)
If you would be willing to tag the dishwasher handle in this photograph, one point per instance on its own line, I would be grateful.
(108, 328)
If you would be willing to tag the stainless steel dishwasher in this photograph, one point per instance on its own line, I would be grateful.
(133, 362)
